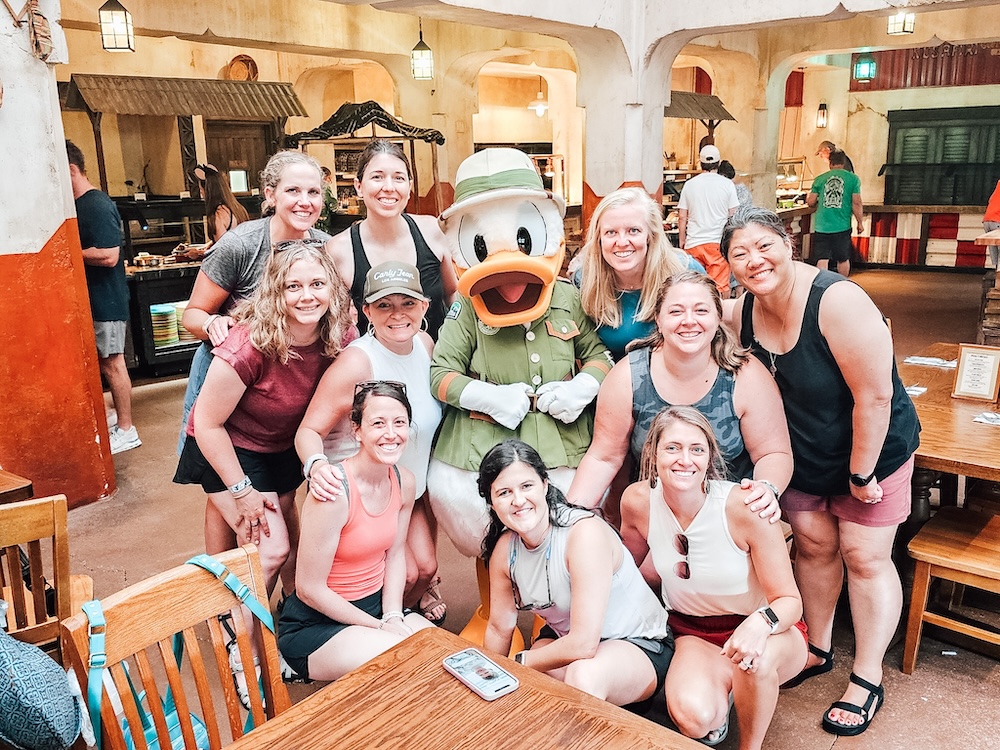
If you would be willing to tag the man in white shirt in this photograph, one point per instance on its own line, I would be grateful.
(706, 203)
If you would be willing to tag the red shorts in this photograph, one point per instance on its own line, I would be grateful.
(716, 629)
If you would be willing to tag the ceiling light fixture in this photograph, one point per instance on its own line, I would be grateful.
(539, 105)
(421, 58)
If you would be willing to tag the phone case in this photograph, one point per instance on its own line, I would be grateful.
(481, 675)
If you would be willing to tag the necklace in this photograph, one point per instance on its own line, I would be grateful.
(771, 355)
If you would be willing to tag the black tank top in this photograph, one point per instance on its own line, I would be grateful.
(428, 264)
(818, 404)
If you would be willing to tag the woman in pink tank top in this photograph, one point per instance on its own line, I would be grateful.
(348, 602)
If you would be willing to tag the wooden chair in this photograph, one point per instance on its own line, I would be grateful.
(30, 617)
(956, 545)
(141, 621)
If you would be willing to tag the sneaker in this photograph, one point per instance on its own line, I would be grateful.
(123, 440)
(288, 674)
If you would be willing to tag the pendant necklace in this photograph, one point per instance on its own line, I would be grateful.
(771, 355)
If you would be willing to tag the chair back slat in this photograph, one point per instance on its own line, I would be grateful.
(141, 622)
(33, 526)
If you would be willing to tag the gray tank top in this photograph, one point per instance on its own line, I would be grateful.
(716, 405)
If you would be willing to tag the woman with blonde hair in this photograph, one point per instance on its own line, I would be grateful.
(626, 260)
(725, 578)
(241, 429)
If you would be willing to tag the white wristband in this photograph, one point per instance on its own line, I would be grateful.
(208, 322)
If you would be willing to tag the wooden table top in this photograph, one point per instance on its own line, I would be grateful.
(990, 238)
(405, 699)
(14, 488)
(949, 440)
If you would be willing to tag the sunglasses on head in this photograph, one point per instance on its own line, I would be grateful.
(370, 385)
(280, 247)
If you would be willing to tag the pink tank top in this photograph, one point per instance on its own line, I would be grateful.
(358, 568)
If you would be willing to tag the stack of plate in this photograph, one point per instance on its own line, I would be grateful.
(164, 325)
(183, 334)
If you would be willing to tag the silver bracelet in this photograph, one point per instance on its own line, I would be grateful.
(770, 486)
(241, 485)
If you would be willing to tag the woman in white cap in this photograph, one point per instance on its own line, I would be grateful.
(395, 348)
(386, 233)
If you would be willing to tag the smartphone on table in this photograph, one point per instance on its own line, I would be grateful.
(481, 675)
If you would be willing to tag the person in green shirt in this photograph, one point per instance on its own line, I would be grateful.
(836, 195)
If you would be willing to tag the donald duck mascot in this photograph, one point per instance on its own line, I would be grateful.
(516, 356)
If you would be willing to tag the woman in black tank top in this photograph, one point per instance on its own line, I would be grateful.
(853, 431)
(387, 233)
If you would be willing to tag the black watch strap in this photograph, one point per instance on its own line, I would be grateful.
(860, 480)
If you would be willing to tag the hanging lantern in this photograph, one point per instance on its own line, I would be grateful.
(864, 68)
(539, 105)
(116, 27)
(422, 59)
(901, 23)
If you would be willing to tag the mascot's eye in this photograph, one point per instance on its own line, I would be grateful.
(524, 240)
(479, 245)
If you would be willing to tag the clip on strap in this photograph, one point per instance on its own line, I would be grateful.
(98, 658)
(234, 584)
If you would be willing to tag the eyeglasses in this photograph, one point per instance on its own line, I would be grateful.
(518, 602)
(370, 385)
(681, 569)
(280, 247)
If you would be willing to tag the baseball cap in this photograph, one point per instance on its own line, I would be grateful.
(392, 277)
(828, 145)
(710, 155)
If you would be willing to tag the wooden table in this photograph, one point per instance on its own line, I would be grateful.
(950, 442)
(990, 238)
(404, 699)
(14, 488)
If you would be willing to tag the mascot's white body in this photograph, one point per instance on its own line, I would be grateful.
(516, 356)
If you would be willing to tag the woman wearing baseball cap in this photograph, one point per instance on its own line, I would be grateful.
(396, 348)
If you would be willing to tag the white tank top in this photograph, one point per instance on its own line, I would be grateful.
(414, 369)
(723, 581)
(542, 577)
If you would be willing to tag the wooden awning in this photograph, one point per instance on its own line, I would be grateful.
(691, 106)
(141, 95)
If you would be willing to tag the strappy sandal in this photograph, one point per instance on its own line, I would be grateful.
(718, 736)
(235, 666)
(816, 669)
(866, 712)
(434, 593)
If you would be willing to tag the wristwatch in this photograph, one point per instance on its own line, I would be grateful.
(859, 480)
(519, 657)
(772, 619)
(770, 486)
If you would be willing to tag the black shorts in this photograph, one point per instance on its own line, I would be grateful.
(302, 630)
(658, 651)
(835, 246)
(269, 472)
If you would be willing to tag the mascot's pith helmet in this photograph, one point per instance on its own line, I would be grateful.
(505, 230)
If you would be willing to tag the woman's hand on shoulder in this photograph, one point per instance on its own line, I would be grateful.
(326, 482)
(761, 498)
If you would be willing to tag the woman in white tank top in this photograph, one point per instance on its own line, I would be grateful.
(565, 564)
(396, 349)
(725, 577)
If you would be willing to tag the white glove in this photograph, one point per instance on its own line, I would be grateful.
(565, 400)
(507, 404)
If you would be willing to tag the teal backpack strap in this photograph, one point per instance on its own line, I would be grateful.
(95, 667)
(234, 584)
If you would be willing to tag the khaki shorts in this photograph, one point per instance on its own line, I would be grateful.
(110, 336)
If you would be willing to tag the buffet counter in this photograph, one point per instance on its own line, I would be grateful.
(162, 345)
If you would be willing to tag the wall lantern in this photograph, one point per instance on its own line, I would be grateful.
(821, 115)
(116, 27)
(539, 105)
(901, 23)
(421, 58)
(864, 68)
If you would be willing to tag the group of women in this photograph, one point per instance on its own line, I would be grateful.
(711, 414)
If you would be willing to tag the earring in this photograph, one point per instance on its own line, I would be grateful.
(371, 329)
(423, 324)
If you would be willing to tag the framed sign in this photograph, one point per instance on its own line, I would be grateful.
(978, 372)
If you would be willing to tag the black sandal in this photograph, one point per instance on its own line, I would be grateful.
(866, 712)
(816, 669)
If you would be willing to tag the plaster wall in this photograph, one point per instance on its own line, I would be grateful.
(53, 425)
(504, 116)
